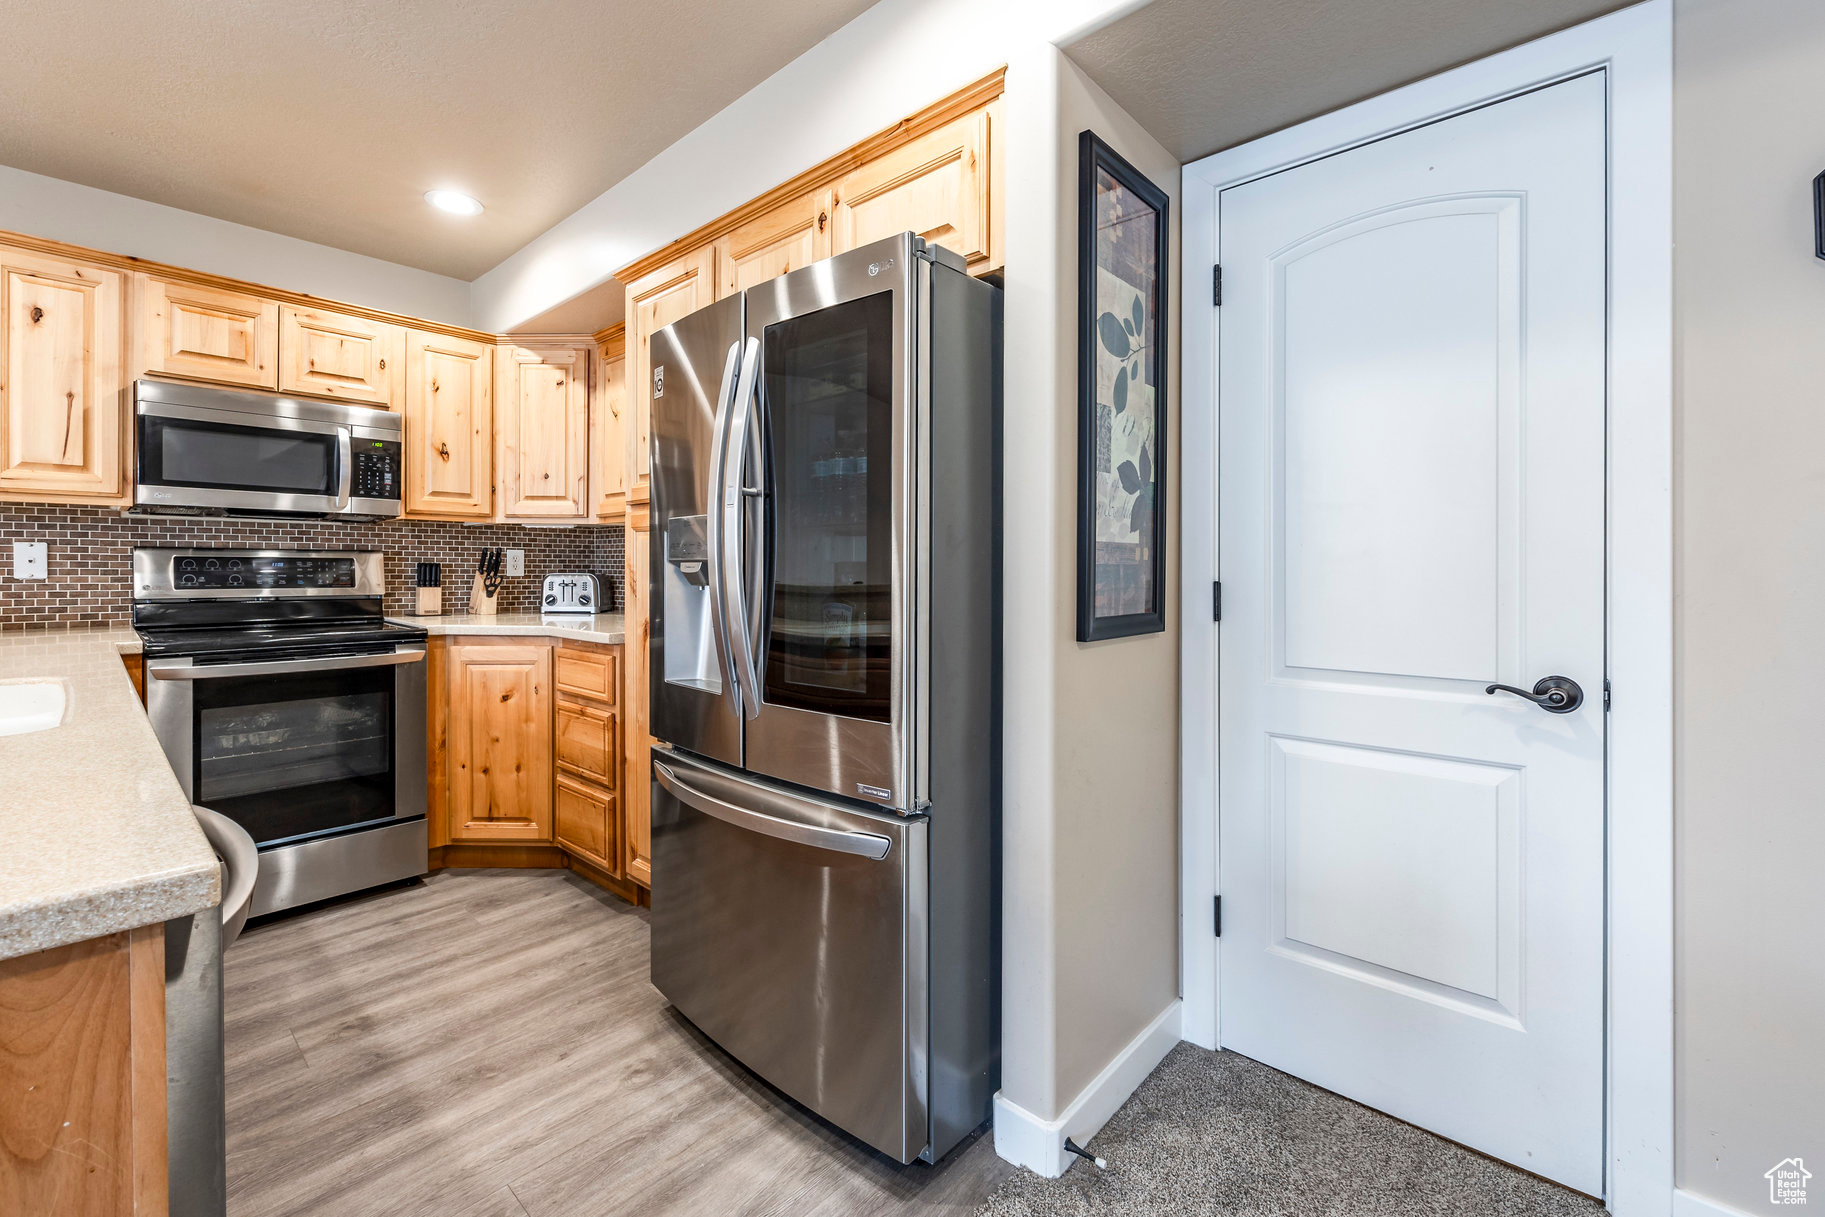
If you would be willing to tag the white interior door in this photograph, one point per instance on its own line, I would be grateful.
(1411, 497)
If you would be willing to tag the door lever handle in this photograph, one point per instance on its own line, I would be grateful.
(1553, 694)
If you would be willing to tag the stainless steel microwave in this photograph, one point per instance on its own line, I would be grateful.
(212, 451)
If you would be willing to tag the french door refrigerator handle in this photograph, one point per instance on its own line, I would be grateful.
(838, 840)
(734, 498)
(719, 446)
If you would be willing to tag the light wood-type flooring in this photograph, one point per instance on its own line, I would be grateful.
(487, 1044)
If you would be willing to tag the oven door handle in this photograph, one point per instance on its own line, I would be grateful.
(183, 669)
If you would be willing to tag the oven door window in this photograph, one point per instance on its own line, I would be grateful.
(218, 456)
(296, 756)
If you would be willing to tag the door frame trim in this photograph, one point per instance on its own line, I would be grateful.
(1633, 47)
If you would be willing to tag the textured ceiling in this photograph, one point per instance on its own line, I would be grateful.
(329, 120)
(1203, 75)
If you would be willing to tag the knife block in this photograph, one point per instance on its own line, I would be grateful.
(479, 599)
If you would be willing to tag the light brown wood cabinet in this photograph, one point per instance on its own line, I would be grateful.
(938, 186)
(795, 234)
(499, 740)
(608, 429)
(339, 355)
(587, 824)
(589, 809)
(62, 369)
(542, 432)
(449, 420)
(83, 1128)
(654, 301)
(637, 756)
(207, 333)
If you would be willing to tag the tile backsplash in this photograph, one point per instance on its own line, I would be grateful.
(91, 547)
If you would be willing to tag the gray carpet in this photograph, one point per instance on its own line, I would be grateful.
(1217, 1133)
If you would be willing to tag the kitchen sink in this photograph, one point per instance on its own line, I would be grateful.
(33, 703)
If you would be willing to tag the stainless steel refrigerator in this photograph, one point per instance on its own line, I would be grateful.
(825, 671)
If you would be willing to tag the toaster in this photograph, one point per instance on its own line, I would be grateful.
(571, 593)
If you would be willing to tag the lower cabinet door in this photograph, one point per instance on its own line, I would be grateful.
(500, 743)
(586, 823)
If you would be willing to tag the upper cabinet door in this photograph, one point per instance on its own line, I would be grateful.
(792, 235)
(608, 424)
(61, 376)
(542, 430)
(654, 301)
(937, 186)
(449, 417)
(208, 333)
(337, 355)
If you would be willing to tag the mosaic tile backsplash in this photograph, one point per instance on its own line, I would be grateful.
(90, 555)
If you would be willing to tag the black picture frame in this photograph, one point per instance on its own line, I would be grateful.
(1096, 159)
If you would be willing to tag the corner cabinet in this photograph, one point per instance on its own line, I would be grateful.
(62, 376)
(542, 432)
(449, 421)
(498, 741)
(608, 429)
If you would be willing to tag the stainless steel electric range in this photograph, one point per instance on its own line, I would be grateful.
(286, 701)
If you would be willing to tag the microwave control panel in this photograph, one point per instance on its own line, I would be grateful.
(377, 472)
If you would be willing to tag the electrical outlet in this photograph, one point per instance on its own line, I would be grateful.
(513, 562)
(31, 560)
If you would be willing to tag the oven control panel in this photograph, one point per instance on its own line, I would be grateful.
(201, 572)
(376, 473)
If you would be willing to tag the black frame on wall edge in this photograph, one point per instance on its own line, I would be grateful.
(1093, 153)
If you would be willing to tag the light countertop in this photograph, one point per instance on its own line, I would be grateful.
(606, 628)
(98, 836)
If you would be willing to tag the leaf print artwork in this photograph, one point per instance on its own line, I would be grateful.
(1122, 250)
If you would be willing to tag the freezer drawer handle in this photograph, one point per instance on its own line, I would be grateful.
(863, 844)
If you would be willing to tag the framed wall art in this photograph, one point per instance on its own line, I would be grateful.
(1122, 249)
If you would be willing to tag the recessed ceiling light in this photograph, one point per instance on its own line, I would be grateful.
(453, 201)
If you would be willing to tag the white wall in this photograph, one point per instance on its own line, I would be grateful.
(81, 215)
(1749, 134)
(896, 58)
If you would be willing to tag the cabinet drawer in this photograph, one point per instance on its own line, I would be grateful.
(594, 674)
(587, 823)
(587, 741)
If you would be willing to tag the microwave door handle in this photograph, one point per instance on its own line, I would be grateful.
(713, 526)
(735, 496)
(345, 458)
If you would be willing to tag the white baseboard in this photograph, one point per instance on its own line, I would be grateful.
(1039, 1145)
(1685, 1204)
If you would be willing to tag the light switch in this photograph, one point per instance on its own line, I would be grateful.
(514, 562)
(31, 560)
